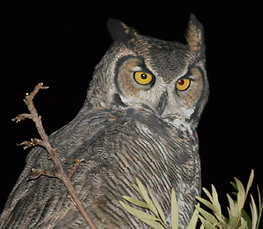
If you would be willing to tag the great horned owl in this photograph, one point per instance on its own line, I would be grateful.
(138, 120)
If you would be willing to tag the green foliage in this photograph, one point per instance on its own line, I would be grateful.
(155, 218)
(237, 218)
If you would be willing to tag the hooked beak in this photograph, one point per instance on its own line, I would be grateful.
(162, 103)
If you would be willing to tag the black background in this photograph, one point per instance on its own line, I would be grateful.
(60, 45)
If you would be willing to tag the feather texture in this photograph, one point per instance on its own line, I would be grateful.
(122, 134)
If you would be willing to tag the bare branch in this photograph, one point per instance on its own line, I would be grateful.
(36, 173)
(22, 117)
(52, 153)
(32, 143)
(74, 168)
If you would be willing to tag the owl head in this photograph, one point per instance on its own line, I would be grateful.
(139, 71)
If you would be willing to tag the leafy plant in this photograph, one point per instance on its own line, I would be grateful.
(156, 217)
(237, 216)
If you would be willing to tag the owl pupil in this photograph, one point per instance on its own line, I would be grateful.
(180, 82)
(143, 76)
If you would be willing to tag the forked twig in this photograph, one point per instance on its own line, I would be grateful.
(52, 153)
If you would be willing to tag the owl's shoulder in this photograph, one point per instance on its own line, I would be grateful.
(136, 125)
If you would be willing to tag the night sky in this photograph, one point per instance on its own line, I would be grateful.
(60, 46)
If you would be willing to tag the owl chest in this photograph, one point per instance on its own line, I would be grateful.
(158, 155)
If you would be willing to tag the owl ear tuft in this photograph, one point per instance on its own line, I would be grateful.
(121, 32)
(195, 35)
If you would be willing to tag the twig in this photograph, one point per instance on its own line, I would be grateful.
(74, 168)
(53, 154)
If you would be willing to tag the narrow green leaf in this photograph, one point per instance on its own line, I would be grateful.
(232, 210)
(138, 213)
(243, 224)
(137, 189)
(157, 205)
(232, 222)
(208, 194)
(214, 194)
(250, 181)
(254, 212)
(234, 193)
(241, 195)
(143, 216)
(142, 189)
(136, 202)
(205, 202)
(234, 185)
(174, 210)
(229, 213)
(247, 218)
(206, 224)
(216, 204)
(193, 222)
(153, 224)
(260, 202)
(260, 207)
(209, 217)
(146, 197)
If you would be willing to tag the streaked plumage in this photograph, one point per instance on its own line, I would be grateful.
(138, 120)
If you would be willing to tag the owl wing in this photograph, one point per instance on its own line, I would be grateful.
(33, 203)
(44, 202)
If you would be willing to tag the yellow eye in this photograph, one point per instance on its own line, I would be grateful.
(143, 78)
(182, 84)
